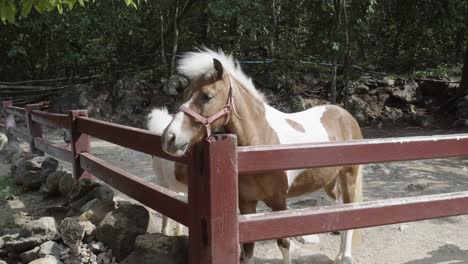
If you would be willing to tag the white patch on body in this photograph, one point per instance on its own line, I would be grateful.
(311, 121)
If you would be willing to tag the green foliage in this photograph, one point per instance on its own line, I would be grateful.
(8, 8)
(105, 36)
(7, 187)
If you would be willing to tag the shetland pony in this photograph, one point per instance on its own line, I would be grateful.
(221, 96)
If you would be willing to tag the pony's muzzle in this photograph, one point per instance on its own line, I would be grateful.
(172, 146)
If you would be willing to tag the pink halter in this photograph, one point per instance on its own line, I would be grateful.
(207, 121)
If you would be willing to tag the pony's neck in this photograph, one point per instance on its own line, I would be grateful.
(252, 128)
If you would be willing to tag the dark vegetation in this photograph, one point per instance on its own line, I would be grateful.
(315, 49)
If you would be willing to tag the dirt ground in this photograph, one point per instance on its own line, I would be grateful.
(433, 241)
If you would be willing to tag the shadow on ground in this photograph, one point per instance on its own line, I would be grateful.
(445, 254)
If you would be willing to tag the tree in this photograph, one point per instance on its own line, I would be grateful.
(8, 8)
(464, 79)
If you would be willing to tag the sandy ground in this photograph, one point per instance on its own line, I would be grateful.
(433, 241)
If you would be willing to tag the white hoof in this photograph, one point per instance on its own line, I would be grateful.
(343, 259)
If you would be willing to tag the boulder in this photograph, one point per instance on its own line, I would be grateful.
(29, 255)
(49, 248)
(174, 84)
(72, 233)
(45, 226)
(159, 248)
(33, 176)
(52, 183)
(409, 93)
(49, 165)
(18, 168)
(95, 210)
(67, 182)
(358, 108)
(46, 260)
(80, 190)
(120, 228)
(24, 243)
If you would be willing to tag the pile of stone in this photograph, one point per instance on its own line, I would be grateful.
(90, 227)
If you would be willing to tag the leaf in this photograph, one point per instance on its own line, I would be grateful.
(81, 2)
(26, 6)
(60, 8)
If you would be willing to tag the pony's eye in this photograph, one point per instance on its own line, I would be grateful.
(207, 97)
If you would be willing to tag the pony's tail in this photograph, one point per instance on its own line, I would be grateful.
(158, 120)
(358, 197)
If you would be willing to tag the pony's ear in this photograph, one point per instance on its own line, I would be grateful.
(218, 67)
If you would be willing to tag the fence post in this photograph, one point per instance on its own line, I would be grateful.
(34, 129)
(79, 143)
(9, 119)
(213, 202)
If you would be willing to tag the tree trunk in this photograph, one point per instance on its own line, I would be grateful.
(274, 22)
(347, 57)
(161, 28)
(464, 80)
(204, 22)
(175, 38)
(338, 10)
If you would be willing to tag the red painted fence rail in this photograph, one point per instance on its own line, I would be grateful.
(215, 227)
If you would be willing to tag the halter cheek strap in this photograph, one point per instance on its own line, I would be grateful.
(207, 121)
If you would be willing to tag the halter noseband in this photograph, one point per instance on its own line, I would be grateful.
(207, 121)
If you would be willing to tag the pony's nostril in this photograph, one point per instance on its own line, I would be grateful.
(171, 138)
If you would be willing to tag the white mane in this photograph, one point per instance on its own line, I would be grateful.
(158, 120)
(200, 63)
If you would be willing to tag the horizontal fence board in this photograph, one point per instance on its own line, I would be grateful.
(296, 156)
(17, 111)
(350, 216)
(153, 196)
(54, 150)
(51, 119)
(129, 137)
(18, 133)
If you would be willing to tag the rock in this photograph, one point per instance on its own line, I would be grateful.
(67, 182)
(104, 193)
(311, 239)
(29, 255)
(409, 93)
(19, 167)
(33, 176)
(88, 227)
(386, 81)
(423, 120)
(49, 165)
(6, 238)
(174, 84)
(95, 210)
(120, 228)
(2, 262)
(51, 185)
(24, 243)
(80, 190)
(103, 258)
(45, 226)
(358, 108)
(97, 248)
(159, 248)
(46, 260)
(72, 233)
(403, 227)
(49, 248)
(414, 187)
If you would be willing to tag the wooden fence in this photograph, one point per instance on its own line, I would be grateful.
(211, 214)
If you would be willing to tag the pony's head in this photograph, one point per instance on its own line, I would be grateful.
(207, 106)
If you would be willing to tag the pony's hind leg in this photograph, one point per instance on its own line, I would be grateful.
(164, 221)
(247, 249)
(350, 191)
(283, 243)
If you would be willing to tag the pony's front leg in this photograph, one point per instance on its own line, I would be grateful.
(279, 204)
(345, 254)
(247, 249)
